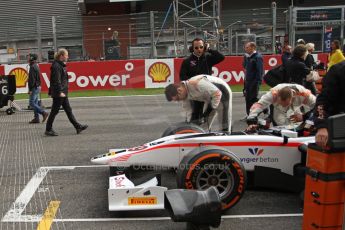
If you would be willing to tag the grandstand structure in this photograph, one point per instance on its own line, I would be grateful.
(149, 28)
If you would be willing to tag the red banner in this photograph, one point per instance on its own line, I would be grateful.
(124, 74)
(231, 69)
(100, 75)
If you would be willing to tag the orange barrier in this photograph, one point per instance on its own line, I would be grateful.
(324, 195)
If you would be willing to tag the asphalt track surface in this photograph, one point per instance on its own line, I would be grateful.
(31, 172)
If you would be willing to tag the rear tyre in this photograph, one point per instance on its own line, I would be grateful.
(213, 166)
(183, 128)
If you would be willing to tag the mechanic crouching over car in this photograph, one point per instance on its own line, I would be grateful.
(213, 91)
(290, 103)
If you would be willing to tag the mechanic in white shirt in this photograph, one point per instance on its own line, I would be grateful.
(213, 91)
(287, 101)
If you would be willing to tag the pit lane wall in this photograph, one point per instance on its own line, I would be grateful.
(126, 74)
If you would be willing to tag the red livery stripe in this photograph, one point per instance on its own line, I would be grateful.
(262, 144)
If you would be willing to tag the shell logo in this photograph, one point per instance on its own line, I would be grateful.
(159, 72)
(21, 77)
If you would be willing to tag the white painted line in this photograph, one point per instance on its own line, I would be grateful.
(96, 97)
(29, 219)
(74, 167)
(17, 208)
(70, 98)
(262, 216)
(168, 218)
(25, 196)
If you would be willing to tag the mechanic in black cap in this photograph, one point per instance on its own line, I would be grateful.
(331, 101)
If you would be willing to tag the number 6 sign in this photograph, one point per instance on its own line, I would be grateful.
(3, 85)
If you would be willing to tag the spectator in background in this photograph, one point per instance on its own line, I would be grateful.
(296, 70)
(254, 68)
(300, 42)
(201, 61)
(331, 101)
(287, 49)
(59, 92)
(34, 84)
(310, 61)
(278, 47)
(311, 64)
(336, 55)
(344, 49)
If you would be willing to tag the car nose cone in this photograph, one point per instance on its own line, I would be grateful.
(100, 159)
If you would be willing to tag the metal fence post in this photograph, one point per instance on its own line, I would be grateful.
(230, 40)
(103, 45)
(130, 40)
(185, 41)
(54, 33)
(342, 26)
(236, 44)
(39, 38)
(152, 28)
(274, 26)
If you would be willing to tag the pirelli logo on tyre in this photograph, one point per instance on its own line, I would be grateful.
(142, 200)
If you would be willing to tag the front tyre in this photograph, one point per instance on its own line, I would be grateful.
(217, 167)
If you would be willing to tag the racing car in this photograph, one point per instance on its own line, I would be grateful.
(272, 158)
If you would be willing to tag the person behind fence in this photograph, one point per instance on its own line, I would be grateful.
(290, 103)
(331, 101)
(59, 92)
(311, 64)
(296, 69)
(34, 85)
(200, 61)
(336, 56)
(287, 50)
(254, 70)
(213, 91)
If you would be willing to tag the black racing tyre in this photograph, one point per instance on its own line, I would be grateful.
(9, 111)
(213, 166)
(182, 128)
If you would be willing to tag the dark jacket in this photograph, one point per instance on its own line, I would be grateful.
(254, 67)
(331, 101)
(34, 77)
(58, 79)
(285, 57)
(296, 70)
(310, 62)
(194, 65)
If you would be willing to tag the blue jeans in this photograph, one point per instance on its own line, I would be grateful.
(34, 102)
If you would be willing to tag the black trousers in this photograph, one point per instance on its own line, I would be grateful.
(57, 103)
(311, 86)
(198, 109)
(252, 91)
